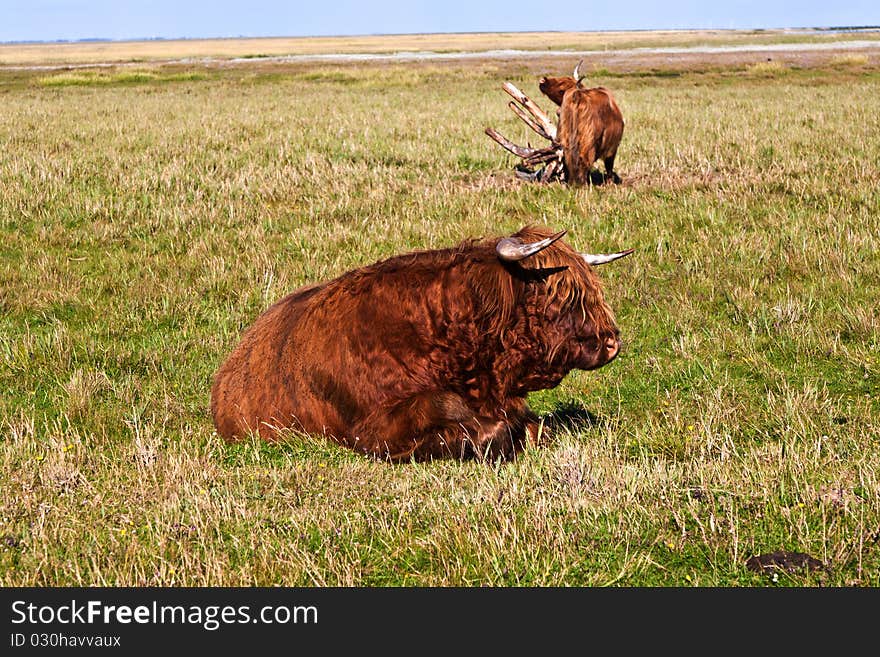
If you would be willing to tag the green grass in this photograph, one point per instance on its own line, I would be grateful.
(144, 225)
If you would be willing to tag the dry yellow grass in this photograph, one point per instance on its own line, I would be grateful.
(32, 54)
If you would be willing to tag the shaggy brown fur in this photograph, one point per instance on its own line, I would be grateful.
(590, 127)
(425, 355)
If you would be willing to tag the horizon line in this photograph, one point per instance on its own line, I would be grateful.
(838, 28)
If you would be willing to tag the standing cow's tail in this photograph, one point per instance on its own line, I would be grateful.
(576, 135)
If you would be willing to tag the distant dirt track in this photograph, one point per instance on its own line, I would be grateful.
(512, 54)
(597, 49)
(804, 54)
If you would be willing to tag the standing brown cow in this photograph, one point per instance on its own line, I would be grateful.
(424, 355)
(590, 126)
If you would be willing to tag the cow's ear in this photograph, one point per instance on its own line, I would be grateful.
(541, 274)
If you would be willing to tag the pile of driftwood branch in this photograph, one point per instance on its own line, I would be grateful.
(548, 160)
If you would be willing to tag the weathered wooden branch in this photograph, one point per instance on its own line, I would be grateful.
(549, 158)
(520, 151)
(543, 120)
(528, 120)
(554, 169)
(542, 155)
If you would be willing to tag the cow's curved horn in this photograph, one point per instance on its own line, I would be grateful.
(512, 249)
(577, 70)
(602, 258)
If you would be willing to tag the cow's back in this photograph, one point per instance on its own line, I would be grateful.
(325, 357)
(610, 118)
(249, 388)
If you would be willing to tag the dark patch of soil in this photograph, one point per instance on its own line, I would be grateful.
(790, 562)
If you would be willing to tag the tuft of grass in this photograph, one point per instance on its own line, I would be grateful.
(769, 68)
(849, 59)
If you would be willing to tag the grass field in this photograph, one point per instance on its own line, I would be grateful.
(148, 215)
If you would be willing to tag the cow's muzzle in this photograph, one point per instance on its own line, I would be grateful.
(612, 348)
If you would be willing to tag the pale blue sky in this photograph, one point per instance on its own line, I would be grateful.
(27, 20)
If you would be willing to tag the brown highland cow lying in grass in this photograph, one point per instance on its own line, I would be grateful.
(428, 354)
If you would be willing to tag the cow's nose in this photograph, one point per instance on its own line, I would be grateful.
(612, 346)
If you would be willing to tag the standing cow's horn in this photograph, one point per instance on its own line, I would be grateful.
(512, 249)
(602, 258)
(576, 75)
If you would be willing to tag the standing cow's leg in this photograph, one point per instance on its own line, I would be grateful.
(579, 163)
(610, 174)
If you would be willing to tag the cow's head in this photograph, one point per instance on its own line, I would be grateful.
(555, 88)
(566, 316)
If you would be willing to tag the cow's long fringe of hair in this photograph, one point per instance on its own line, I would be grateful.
(573, 287)
(576, 289)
